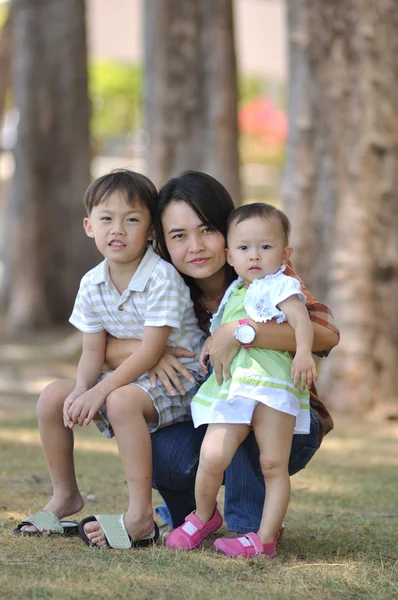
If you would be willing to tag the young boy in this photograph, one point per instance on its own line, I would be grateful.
(135, 294)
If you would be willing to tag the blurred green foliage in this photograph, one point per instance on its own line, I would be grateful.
(3, 14)
(116, 95)
(249, 88)
(115, 91)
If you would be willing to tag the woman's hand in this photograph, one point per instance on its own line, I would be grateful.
(222, 349)
(204, 355)
(167, 369)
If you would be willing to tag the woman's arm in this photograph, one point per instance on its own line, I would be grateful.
(280, 336)
(117, 351)
(270, 335)
(166, 369)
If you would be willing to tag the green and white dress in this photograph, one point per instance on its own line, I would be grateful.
(258, 375)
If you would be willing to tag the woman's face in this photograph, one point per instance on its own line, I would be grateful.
(195, 250)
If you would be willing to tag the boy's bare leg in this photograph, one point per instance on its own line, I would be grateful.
(218, 448)
(274, 432)
(129, 409)
(57, 443)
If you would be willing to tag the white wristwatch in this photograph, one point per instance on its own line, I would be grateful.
(245, 333)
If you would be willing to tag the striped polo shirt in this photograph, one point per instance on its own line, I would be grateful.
(156, 296)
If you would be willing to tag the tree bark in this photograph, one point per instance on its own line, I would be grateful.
(191, 90)
(49, 251)
(5, 82)
(340, 184)
(5, 60)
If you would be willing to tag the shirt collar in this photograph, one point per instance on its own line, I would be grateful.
(100, 273)
(140, 278)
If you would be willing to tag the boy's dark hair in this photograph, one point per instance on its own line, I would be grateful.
(135, 187)
(262, 211)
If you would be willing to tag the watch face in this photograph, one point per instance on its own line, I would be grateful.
(245, 334)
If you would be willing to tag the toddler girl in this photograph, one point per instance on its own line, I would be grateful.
(267, 390)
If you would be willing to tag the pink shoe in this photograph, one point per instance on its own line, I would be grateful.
(247, 545)
(193, 532)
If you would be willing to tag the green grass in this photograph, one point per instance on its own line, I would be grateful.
(340, 540)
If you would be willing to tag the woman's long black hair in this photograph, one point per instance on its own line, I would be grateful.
(207, 197)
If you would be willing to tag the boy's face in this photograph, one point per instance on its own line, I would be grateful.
(121, 231)
(257, 247)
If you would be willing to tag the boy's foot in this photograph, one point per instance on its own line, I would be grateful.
(93, 531)
(46, 523)
(60, 509)
(193, 532)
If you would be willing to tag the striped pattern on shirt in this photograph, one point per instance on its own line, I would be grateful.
(156, 296)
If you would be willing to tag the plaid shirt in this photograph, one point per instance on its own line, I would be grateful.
(318, 313)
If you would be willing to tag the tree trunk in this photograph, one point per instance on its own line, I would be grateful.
(191, 90)
(5, 60)
(340, 184)
(49, 251)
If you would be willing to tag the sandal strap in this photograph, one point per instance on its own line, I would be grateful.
(45, 522)
(115, 531)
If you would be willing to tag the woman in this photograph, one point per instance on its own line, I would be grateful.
(190, 231)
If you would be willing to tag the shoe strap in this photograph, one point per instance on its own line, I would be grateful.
(192, 524)
(255, 540)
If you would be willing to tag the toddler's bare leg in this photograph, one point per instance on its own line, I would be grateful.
(57, 443)
(274, 432)
(128, 409)
(218, 448)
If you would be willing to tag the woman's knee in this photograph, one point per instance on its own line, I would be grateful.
(175, 452)
(52, 398)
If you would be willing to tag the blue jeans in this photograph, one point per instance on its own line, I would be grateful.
(176, 452)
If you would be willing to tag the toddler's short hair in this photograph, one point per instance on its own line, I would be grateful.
(261, 210)
(136, 188)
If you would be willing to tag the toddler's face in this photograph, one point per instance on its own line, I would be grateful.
(120, 230)
(257, 247)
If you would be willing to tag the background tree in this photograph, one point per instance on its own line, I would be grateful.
(5, 60)
(47, 246)
(341, 184)
(5, 83)
(191, 90)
